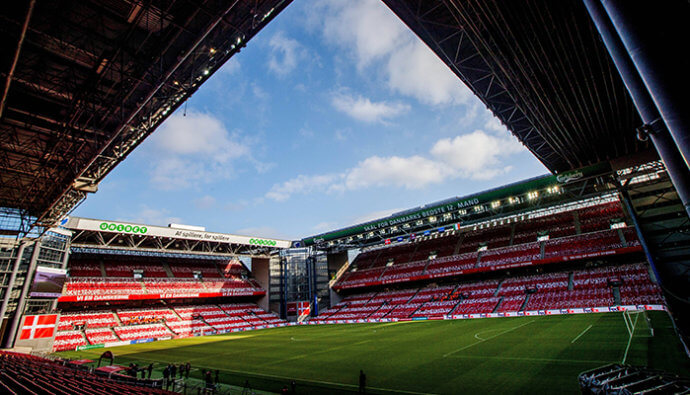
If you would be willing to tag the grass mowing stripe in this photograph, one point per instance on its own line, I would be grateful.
(488, 338)
(408, 357)
(326, 351)
(582, 333)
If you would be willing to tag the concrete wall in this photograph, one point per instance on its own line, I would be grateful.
(43, 345)
(335, 262)
(260, 271)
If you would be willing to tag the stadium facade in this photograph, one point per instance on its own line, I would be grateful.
(549, 245)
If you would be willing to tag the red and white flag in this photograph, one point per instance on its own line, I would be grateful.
(38, 326)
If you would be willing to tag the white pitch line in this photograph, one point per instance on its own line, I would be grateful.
(627, 348)
(531, 359)
(488, 338)
(583, 332)
(299, 356)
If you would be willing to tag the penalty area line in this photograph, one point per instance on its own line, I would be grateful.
(581, 333)
(488, 338)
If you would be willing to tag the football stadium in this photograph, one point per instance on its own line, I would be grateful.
(574, 281)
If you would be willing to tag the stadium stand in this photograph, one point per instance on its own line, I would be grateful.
(99, 286)
(98, 327)
(181, 303)
(95, 320)
(566, 235)
(68, 340)
(86, 280)
(85, 269)
(587, 287)
(28, 374)
(209, 271)
(114, 269)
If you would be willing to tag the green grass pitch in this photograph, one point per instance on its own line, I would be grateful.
(495, 355)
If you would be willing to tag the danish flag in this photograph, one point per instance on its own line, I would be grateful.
(38, 326)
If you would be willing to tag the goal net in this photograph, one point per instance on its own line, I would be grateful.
(638, 323)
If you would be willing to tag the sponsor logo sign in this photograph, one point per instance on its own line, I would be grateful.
(126, 228)
(90, 347)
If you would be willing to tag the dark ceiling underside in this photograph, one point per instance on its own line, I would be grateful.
(93, 78)
(541, 67)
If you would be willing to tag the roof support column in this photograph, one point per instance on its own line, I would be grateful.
(65, 259)
(642, 26)
(14, 325)
(654, 126)
(10, 283)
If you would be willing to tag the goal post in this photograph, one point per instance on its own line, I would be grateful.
(638, 324)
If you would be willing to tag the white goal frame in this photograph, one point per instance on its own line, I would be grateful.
(634, 327)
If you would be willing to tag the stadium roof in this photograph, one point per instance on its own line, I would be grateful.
(84, 82)
(519, 197)
(540, 67)
(101, 234)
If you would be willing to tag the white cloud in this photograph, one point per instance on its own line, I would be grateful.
(493, 124)
(324, 226)
(151, 216)
(374, 215)
(363, 109)
(474, 156)
(259, 93)
(205, 202)
(263, 231)
(300, 184)
(198, 133)
(194, 149)
(377, 39)
(230, 67)
(367, 28)
(285, 54)
(343, 134)
(412, 172)
(414, 70)
(236, 206)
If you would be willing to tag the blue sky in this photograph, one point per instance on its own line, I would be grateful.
(334, 114)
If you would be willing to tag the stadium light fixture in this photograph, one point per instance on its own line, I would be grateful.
(553, 189)
(432, 219)
(206, 71)
(496, 204)
(532, 195)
